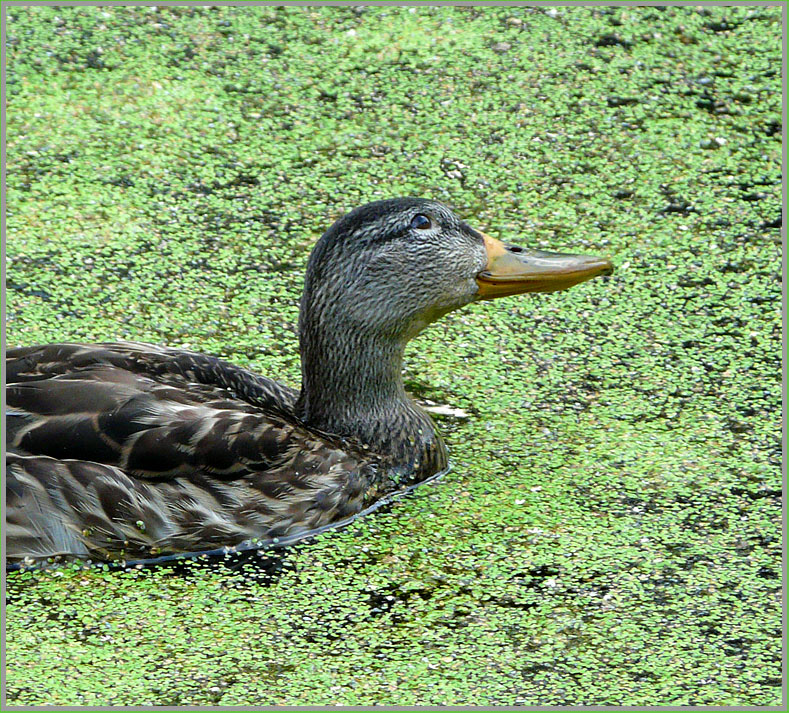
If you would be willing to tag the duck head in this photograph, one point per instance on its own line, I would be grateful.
(394, 266)
(380, 275)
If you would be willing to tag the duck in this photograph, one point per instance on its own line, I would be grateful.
(124, 451)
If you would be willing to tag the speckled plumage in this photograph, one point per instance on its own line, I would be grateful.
(136, 450)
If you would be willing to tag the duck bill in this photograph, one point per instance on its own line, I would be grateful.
(512, 270)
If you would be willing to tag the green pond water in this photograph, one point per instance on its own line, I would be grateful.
(610, 530)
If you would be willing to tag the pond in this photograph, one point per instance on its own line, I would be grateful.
(609, 530)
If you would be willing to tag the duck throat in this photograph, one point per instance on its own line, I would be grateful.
(352, 386)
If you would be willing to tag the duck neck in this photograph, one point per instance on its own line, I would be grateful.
(352, 386)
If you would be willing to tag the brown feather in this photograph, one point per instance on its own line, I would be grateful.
(112, 456)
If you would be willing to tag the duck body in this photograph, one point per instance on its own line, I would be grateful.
(129, 451)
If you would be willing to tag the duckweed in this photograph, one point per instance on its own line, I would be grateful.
(609, 533)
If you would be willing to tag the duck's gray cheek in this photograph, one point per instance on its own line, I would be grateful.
(465, 291)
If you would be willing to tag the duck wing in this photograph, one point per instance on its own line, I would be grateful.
(178, 367)
(128, 451)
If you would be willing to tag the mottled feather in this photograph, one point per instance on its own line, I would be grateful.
(127, 451)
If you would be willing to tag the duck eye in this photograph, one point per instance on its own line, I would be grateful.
(421, 222)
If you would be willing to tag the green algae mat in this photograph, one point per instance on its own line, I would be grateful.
(610, 530)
